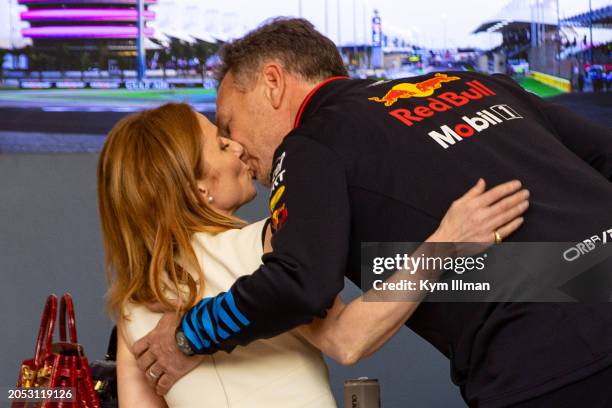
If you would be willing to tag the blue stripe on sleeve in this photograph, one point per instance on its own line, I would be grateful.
(208, 326)
(229, 297)
(215, 312)
(227, 318)
(191, 336)
(222, 333)
(195, 315)
(193, 320)
(208, 321)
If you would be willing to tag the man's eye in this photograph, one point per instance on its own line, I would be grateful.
(225, 132)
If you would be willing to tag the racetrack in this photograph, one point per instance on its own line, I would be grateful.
(65, 121)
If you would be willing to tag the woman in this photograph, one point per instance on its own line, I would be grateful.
(168, 187)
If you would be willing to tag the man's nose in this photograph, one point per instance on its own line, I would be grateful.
(237, 149)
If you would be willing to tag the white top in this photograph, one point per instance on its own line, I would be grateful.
(284, 371)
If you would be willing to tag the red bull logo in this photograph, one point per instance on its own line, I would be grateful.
(279, 212)
(422, 89)
(278, 216)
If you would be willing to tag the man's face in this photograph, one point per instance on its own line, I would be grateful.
(246, 114)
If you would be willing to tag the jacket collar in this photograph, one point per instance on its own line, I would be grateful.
(306, 101)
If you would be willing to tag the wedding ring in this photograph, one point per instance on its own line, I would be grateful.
(153, 376)
(498, 238)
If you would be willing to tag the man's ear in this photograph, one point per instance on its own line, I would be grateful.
(274, 81)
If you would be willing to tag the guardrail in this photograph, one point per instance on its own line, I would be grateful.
(155, 79)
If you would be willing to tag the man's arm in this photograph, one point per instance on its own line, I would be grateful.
(301, 277)
(351, 332)
(591, 142)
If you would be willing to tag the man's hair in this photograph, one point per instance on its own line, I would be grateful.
(293, 42)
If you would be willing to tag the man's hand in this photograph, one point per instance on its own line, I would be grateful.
(159, 357)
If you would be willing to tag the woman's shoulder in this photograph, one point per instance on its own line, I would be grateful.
(238, 240)
(226, 256)
(138, 321)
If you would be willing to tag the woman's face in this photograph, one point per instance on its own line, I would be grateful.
(227, 178)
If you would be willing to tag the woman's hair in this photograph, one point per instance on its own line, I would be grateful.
(150, 206)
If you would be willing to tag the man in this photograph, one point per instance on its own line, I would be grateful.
(350, 161)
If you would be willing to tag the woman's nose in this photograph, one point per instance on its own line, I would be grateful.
(236, 148)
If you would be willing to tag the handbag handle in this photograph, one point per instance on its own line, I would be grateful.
(111, 350)
(45, 331)
(67, 309)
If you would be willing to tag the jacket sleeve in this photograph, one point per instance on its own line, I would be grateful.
(591, 142)
(299, 280)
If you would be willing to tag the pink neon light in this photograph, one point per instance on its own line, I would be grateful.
(85, 1)
(85, 15)
(84, 32)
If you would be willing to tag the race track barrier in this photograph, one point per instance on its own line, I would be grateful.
(561, 84)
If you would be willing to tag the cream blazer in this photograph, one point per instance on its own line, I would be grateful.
(284, 371)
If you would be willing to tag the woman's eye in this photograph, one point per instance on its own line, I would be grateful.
(222, 145)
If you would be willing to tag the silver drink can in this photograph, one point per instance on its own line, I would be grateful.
(362, 392)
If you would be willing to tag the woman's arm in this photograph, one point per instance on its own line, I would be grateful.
(352, 332)
(133, 389)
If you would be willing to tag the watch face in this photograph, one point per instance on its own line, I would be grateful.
(182, 343)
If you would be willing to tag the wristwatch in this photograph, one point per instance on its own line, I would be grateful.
(182, 342)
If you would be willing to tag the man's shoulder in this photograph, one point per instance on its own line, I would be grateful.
(329, 132)
(307, 140)
(447, 78)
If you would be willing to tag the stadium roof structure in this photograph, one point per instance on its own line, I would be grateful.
(505, 25)
(519, 14)
(204, 37)
(179, 35)
(602, 18)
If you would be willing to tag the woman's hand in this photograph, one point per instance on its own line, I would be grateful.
(478, 214)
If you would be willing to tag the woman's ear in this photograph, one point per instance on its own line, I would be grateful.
(202, 189)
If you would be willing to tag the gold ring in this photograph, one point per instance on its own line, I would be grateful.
(153, 376)
(498, 238)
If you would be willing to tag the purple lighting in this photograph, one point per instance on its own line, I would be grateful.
(84, 1)
(84, 32)
(85, 15)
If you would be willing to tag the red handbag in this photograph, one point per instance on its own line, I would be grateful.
(61, 365)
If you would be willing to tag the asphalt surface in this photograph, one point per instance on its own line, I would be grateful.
(50, 128)
(62, 121)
